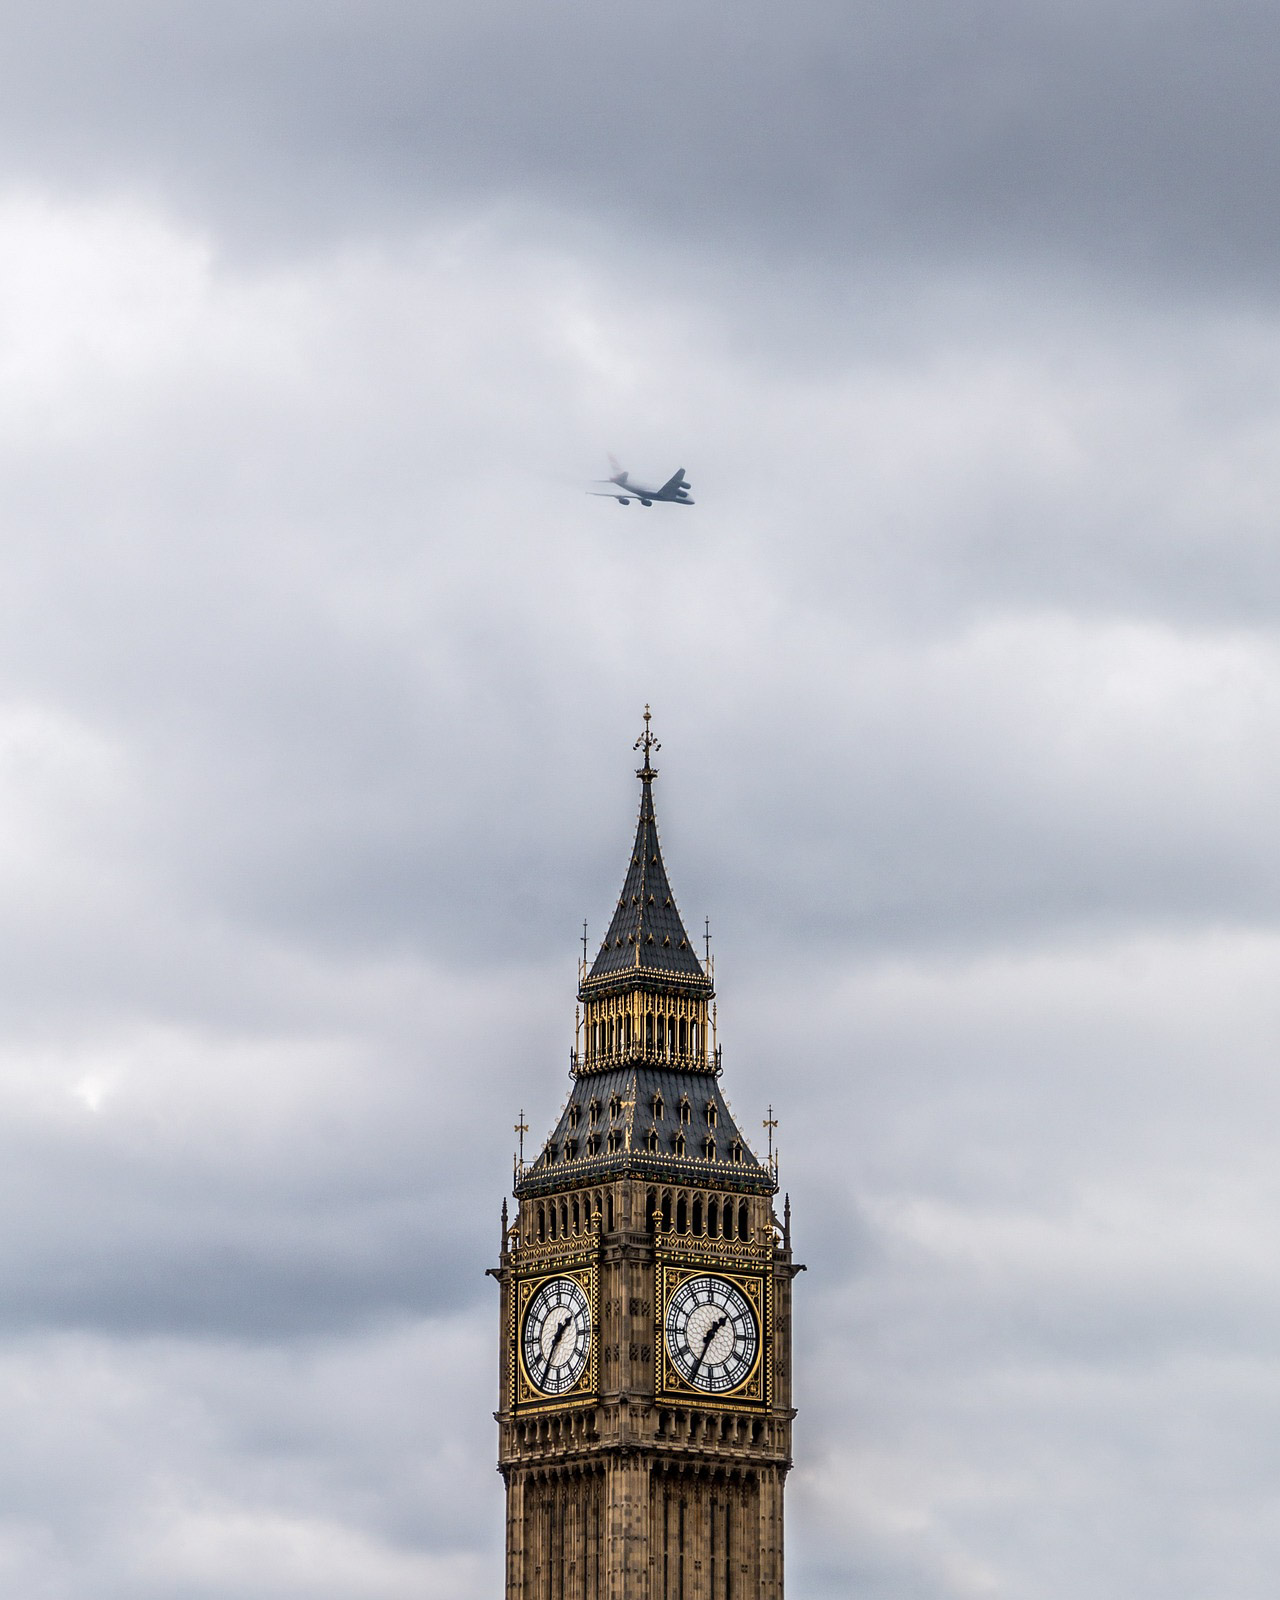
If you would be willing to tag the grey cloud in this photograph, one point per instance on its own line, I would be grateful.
(1121, 138)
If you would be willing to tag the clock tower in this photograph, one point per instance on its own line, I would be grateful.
(645, 1376)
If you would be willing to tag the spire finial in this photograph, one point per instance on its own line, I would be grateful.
(646, 742)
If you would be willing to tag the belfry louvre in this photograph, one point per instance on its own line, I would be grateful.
(645, 1372)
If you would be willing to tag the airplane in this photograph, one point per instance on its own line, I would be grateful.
(675, 491)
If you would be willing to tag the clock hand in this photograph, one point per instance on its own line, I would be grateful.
(555, 1343)
(706, 1343)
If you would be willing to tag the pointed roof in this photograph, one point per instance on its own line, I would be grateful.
(646, 935)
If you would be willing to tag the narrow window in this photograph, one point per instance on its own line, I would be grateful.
(542, 1225)
(728, 1219)
(553, 1222)
(682, 1215)
(662, 1035)
(671, 1035)
(693, 1038)
(713, 1219)
(611, 1037)
(650, 1210)
(651, 1141)
(657, 1108)
(648, 1032)
(744, 1231)
(610, 1227)
(697, 1218)
(666, 1211)
(679, 1144)
(711, 1113)
(684, 1035)
(577, 1218)
(627, 1031)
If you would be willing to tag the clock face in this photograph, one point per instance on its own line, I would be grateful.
(712, 1336)
(557, 1335)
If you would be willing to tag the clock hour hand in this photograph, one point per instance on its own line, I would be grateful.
(706, 1343)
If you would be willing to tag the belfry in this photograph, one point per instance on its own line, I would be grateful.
(645, 1375)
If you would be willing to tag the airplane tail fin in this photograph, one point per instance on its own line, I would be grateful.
(617, 467)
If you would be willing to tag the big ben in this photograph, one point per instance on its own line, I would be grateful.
(645, 1374)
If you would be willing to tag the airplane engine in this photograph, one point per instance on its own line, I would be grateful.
(646, 502)
(623, 501)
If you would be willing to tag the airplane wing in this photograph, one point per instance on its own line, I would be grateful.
(674, 483)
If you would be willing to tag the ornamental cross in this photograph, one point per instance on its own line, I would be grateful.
(521, 1128)
(769, 1124)
(646, 741)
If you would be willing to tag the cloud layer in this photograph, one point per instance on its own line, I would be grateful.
(318, 678)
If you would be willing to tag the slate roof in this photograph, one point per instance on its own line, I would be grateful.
(646, 936)
(566, 1158)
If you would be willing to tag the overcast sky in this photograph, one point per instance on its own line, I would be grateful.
(319, 675)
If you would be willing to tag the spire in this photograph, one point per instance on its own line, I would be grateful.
(646, 934)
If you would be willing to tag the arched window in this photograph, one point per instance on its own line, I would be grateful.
(728, 1219)
(684, 1035)
(564, 1219)
(542, 1225)
(671, 1035)
(650, 1210)
(662, 1035)
(586, 1211)
(682, 1215)
(666, 1210)
(577, 1218)
(658, 1108)
(627, 1031)
(648, 1032)
(693, 1038)
(553, 1221)
(679, 1146)
(651, 1141)
(697, 1218)
(610, 1208)
(713, 1219)
(744, 1226)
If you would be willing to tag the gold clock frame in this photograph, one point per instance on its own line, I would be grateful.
(525, 1393)
(754, 1390)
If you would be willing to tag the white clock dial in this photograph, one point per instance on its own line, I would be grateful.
(557, 1335)
(712, 1335)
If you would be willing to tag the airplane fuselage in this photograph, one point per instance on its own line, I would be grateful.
(645, 495)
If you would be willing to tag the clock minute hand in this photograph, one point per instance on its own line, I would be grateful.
(706, 1343)
(555, 1343)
